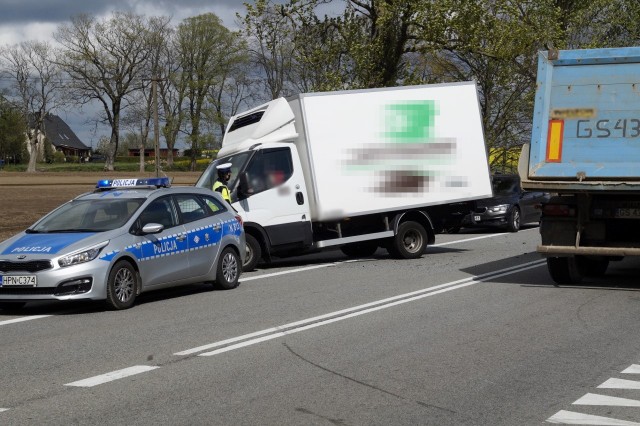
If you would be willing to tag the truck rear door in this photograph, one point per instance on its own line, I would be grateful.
(587, 115)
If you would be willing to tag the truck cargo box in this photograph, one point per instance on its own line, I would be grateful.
(586, 124)
(384, 149)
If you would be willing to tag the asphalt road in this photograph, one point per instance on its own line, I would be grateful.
(473, 333)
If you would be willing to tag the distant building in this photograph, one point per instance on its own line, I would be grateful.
(62, 138)
(151, 152)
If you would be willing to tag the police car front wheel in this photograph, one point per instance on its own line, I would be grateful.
(122, 286)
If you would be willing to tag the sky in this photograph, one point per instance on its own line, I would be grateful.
(23, 20)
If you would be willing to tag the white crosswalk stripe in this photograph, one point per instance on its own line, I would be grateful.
(570, 418)
(634, 369)
(620, 384)
(595, 399)
(566, 417)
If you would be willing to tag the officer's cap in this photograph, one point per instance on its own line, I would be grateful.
(224, 168)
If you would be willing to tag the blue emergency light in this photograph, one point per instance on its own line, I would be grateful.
(159, 182)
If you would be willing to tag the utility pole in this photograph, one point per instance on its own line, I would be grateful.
(156, 125)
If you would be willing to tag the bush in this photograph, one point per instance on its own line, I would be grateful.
(127, 159)
(58, 157)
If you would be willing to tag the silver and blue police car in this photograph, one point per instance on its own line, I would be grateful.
(126, 237)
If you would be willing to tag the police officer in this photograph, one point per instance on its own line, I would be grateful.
(220, 185)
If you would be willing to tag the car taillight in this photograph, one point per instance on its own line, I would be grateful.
(558, 210)
(239, 219)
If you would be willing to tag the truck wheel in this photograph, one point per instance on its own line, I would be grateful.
(228, 271)
(410, 241)
(564, 270)
(592, 267)
(253, 253)
(122, 286)
(513, 224)
(361, 249)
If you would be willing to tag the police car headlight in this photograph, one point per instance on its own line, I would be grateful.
(82, 256)
(500, 208)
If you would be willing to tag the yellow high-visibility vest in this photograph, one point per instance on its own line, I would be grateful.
(223, 190)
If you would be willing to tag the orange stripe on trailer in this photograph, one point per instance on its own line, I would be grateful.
(554, 141)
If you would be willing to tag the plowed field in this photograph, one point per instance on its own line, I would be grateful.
(25, 197)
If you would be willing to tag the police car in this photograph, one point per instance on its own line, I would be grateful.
(126, 237)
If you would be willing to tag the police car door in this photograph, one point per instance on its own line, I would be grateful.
(163, 258)
(203, 221)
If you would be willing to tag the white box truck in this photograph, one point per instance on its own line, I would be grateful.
(355, 169)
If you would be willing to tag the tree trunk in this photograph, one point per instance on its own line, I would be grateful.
(142, 156)
(113, 142)
(33, 152)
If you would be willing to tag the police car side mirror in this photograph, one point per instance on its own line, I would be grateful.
(152, 228)
(244, 187)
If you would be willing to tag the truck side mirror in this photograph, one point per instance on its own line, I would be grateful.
(244, 188)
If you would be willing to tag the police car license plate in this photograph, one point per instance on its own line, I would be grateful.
(19, 280)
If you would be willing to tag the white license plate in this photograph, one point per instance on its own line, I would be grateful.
(18, 280)
(629, 213)
(477, 218)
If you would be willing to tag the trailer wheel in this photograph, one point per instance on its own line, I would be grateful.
(361, 249)
(410, 241)
(253, 253)
(564, 270)
(591, 267)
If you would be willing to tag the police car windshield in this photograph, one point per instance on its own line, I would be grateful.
(89, 215)
(210, 175)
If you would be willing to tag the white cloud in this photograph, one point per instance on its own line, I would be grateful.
(17, 33)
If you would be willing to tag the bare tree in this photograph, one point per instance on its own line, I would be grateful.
(105, 61)
(140, 114)
(232, 89)
(270, 30)
(36, 84)
(172, 91)
(203, 46)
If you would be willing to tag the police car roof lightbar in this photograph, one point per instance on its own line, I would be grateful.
(159, 182)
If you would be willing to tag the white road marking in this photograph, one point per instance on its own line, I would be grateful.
(274, 274)
(114, 375)
(331, 317)
(595, 399)
(467, 239)
(3, 409)
(571, 418)
(620, 384)
(633, 369)
(290, 271)
(22, 319)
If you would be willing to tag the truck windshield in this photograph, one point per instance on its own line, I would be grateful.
(210, 175)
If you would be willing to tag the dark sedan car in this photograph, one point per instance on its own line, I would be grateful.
(509, 208)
